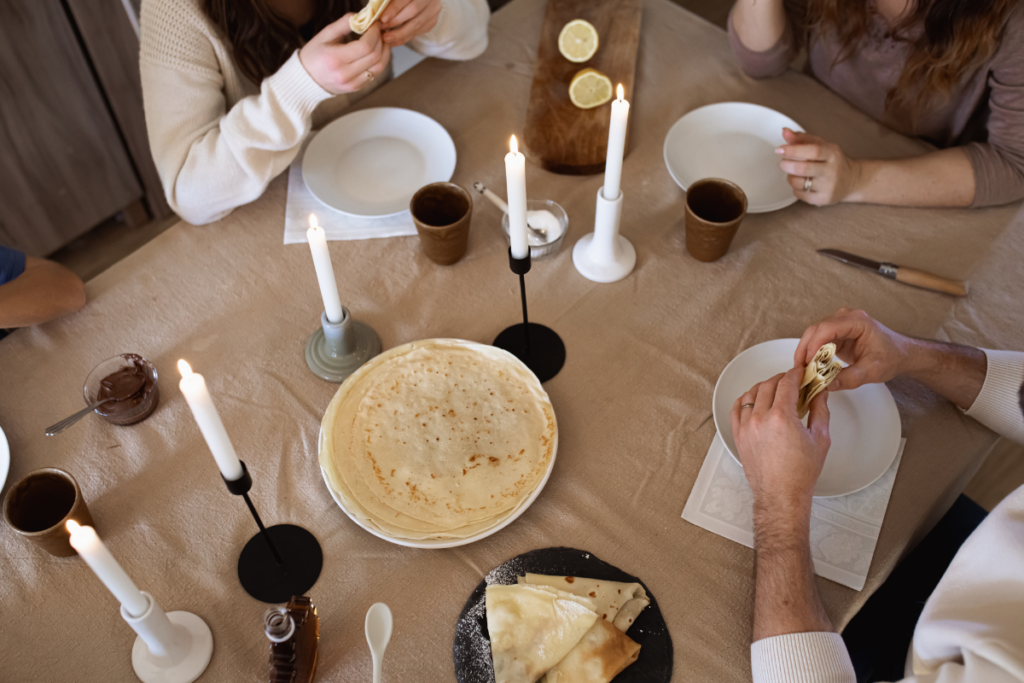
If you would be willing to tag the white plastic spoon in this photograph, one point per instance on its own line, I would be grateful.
(378, 635)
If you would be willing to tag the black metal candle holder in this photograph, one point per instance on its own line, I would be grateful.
(278, 562)
(538, 346)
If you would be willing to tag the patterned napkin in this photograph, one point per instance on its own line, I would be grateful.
(844, 529)
(337, 225)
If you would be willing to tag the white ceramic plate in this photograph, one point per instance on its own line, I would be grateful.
(447, 542)
(735, 141)
(370, 163)
(864, 425)
(5, 458)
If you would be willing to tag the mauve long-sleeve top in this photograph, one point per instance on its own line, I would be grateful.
(984, 112)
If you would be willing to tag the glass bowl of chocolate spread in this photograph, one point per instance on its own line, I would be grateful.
(130, 382)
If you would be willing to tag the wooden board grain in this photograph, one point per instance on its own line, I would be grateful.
(559, 136)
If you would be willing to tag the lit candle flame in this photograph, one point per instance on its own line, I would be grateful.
(513, 145)
(620, 92)
(72, 526)
(184, 368)
(313, 223)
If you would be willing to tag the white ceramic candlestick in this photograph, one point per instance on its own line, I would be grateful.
(604, 255)
(170, 648)
(193, 386)
(324, 270)
(515, 178)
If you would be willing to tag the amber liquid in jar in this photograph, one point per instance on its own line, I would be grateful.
(294, 634)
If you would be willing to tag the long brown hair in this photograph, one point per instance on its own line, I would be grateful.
(260, 40)
(952, 37)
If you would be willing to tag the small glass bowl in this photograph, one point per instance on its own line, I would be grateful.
(542, 250)
(135, 414)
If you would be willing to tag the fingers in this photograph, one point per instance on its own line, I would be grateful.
(403, 14)
(817, 421)
(422, 23)
(848, 378)
(800, 355)
(788, 390)
(793, 137)
(387, 19)
(766, 394)
(804, 169)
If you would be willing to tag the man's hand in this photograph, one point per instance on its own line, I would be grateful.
(781, 458)
(874, 353)
(404, 20)
(345, 67)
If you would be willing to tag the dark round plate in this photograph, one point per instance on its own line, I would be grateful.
(472, 648)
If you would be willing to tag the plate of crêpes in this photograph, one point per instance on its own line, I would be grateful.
(438, 443)
(561, 615)
(864, 423)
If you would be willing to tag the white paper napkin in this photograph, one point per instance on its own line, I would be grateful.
(844, 529)
(337, 225)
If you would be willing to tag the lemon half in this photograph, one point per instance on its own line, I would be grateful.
(590, 88)
(578, 40)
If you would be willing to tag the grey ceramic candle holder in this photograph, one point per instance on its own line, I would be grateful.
(336, 350)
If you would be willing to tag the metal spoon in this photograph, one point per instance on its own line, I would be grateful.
(378, 635)
(500, 203)
(59, 427)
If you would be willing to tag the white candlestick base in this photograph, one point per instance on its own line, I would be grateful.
(185, 636)
(604, 255)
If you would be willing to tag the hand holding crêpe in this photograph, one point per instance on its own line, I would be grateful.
(369, 14)
(818, 374)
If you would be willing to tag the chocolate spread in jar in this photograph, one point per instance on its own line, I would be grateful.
(127, 389)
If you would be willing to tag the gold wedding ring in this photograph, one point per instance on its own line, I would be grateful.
(807, 184)
(369, 76)
(746, 405)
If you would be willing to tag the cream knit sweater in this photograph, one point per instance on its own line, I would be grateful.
(217, 138)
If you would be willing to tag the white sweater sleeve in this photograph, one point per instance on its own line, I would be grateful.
(210, 160)
(816, 657)
(460, 33)
(998, 405)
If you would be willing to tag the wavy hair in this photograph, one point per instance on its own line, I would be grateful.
(261, 41)
(952, 38)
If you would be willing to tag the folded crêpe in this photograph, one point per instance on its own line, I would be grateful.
(532, 629)
(600, 656)
(366, 16)
(440, 438)
(605, 650)
(818, 374)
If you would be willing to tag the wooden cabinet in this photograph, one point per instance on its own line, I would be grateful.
(73, 149)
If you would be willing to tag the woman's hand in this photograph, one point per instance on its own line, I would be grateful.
(834, 177)
(404, 20)
(345, 67)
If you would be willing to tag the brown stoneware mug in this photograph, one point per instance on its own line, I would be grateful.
(39, 506)
(442, 213)
(714, 210)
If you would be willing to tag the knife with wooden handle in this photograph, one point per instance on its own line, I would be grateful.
(904, 274)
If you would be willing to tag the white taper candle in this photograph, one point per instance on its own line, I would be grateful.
(193, 386)
(103, 564)
(324, 270)
(515, 177)
(616, 147)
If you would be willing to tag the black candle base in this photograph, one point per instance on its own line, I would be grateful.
(547, 351)
(266, 580)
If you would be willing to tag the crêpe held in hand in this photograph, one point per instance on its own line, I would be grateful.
(532, 629)
(437, 439)
(366, 16)
(818, 374)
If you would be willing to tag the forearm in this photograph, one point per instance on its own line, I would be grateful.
(953, 371)
(759, 24)
(460, 33)
(943, 178)
(786, 599)
(43, 292)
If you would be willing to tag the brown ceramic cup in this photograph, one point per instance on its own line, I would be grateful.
(714, 210)
(38, 506)
(442, 213)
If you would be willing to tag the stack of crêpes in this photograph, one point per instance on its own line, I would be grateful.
(563, 629)
(437, 439)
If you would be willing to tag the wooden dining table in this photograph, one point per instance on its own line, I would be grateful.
(633, 401)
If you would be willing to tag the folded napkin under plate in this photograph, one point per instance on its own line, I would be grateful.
(844, 529)
(337, 225)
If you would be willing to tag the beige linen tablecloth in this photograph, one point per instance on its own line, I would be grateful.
(633, 401)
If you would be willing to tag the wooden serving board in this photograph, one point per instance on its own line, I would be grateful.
(559, 136)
